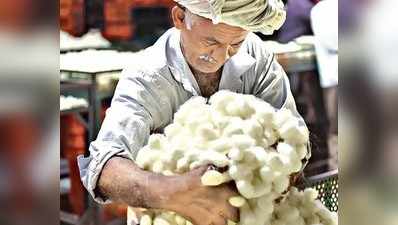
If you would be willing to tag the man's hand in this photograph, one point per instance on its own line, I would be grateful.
(202, 205)
(123, 181)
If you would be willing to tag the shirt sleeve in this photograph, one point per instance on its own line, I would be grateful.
(272, 85)
(136, 109)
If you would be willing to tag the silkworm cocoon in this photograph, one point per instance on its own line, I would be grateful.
(183, 164)
(281, 184)
(289, 213)
(221, 145)
(243, 141)
(265, 113)
(287, 150)
(156, 141)
(246, 110)
(247, 215)
(146, 220)
(310, 194)
(233, 108)
(234, 127)
(214, 178)
(213, 157)
(160, 221)
(207, 132)
(295, 166)
(281, 117)
(278, 222)
(237, 201)
(313, 220)
(169, 216)
(293, 132)
(253, 128)
(158, 167)
(270, 137)
(266, 173)
(240, 171)
(275, 162)
(265, 203)
(221, 99)
(236, 154)
(248, 190)
(219, 120)
(179, 220)
(302, 151)
(172, 130)
(298, 221)
(259, 154)
(146, 157)
(260, 186)
(230, 222)
(245, 188)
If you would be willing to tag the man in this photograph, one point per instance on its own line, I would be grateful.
(199, 56)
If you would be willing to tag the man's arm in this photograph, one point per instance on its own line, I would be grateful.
(110, 173)
(122, 181)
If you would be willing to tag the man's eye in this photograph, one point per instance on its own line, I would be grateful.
(209, 43)
(237, 45)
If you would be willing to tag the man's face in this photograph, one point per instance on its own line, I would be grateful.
(208, 46)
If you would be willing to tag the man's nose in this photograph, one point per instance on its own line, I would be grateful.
(222, 53)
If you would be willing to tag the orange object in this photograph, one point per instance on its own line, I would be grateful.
(73, 137)
(118, 21)
(72, 16)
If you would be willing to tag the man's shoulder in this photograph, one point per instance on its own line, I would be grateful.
(152, 60)
(147, 61)
(256, 48)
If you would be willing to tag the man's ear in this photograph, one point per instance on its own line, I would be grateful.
(178, 14)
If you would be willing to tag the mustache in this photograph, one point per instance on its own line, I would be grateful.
(208, 58)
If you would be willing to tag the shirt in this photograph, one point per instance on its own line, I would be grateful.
(148, 95)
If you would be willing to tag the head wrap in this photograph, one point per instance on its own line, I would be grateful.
(263, 16)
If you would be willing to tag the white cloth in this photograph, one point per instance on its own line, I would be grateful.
(324, 21)
(263, 16)
(148, 95)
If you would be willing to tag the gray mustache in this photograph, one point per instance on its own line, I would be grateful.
(207, 58)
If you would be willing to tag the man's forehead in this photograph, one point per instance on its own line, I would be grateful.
(205, 27)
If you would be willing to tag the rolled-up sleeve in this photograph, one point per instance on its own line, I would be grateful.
(134, 112)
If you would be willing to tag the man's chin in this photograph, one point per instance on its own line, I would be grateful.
(209, 69)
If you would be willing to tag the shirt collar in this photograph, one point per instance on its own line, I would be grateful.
(233, 69)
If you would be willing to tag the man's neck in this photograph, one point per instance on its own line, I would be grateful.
(208, 82)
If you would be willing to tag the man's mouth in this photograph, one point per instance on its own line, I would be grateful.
(208, 59)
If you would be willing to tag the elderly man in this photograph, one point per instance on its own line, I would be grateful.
(210, 48)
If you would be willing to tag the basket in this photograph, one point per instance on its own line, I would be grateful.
(327, 186)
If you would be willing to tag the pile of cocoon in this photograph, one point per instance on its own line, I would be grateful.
(259, 146)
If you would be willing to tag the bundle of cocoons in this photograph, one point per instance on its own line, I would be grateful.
(258, 146)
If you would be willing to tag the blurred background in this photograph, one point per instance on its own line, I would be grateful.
(60, 62)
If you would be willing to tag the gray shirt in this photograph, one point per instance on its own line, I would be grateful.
(148, 95)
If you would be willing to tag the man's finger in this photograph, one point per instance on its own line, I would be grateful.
(232, 213)
(219, 220)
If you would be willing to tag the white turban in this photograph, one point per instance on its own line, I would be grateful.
(263, 16)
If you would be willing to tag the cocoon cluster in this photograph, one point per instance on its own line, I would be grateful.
(259, 146)
(301, 208)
